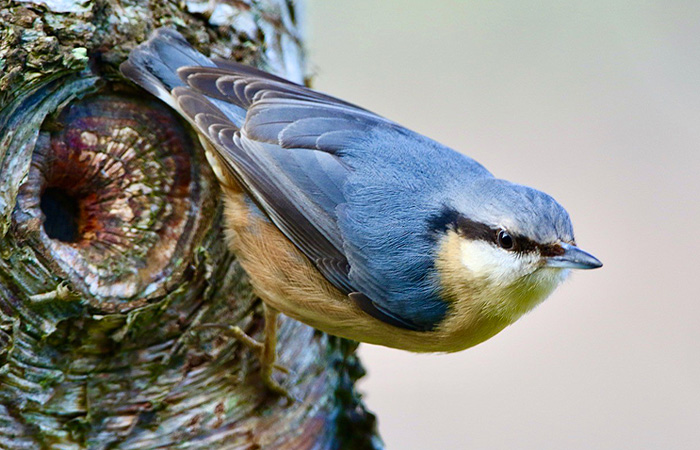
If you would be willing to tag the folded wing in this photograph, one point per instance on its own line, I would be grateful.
(284, 143)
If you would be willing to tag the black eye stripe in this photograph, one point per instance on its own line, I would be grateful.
(475, 230)
(526, 245)
(450, 219)
(551, 249)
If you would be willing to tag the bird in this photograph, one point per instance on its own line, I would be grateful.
(352, 224)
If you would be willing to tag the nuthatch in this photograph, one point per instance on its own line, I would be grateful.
(352, 224)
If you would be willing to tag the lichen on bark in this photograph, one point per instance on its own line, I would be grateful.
(112, 255)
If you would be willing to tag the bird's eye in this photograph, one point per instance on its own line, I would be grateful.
(505, 240)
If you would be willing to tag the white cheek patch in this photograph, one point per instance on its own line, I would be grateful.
(550, 278)
(509, 284)
(485, 260)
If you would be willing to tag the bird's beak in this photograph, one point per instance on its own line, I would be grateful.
(573, 258)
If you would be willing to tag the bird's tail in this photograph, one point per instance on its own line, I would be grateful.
(154, 64)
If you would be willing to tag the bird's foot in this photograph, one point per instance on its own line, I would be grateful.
(255, 346)
(267, 359)
(272, 385)
(269, 355)
(266, 352)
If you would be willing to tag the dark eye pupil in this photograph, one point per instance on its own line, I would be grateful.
(505, 240)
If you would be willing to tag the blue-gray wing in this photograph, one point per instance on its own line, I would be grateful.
(292, 149)
(290, 154)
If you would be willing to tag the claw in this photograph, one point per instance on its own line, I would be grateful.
(281, 368)
(273, 386)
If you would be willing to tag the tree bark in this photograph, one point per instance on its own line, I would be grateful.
(115, 281)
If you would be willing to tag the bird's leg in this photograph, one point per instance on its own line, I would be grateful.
(266, 350)
(269, 353)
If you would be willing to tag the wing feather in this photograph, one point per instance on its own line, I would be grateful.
(287, 145)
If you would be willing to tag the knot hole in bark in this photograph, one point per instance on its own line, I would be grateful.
(62, 213)
(115, 195)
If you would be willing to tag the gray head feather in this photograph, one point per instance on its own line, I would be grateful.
(519, 209)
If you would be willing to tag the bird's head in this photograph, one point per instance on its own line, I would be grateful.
(504, 247)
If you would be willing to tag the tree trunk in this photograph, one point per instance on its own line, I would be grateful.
(115, 281)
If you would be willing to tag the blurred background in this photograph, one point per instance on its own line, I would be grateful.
(598, 104)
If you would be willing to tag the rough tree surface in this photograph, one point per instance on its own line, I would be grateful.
(113, 267)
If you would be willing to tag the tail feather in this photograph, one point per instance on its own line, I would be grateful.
(153, 65)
